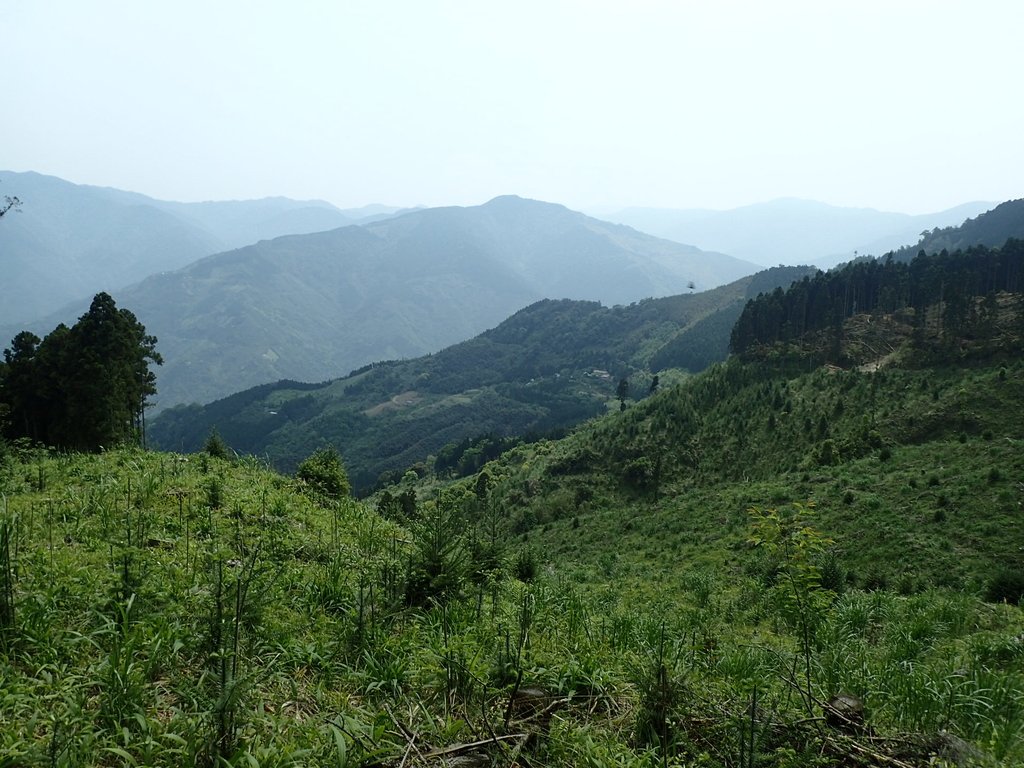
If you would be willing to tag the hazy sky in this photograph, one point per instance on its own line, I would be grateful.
(897, 105)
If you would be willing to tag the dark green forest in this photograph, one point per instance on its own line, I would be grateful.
(80, 388)
(948, 299)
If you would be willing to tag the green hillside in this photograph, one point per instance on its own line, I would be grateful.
(547, 367)
(915, 473)
(807, 555)
(991, 229)
(158, 609)
(315, 306)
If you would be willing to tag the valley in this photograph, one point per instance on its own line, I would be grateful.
(771, 523)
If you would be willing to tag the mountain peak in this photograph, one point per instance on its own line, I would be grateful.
(515, 202)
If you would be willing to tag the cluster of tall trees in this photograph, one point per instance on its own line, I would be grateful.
(83, 387)
(951, 281)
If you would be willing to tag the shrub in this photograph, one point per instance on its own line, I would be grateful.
(525, 566)
(215, 447)
(214, 493)
(827, 455)
(641, 473)
(1006, 586)
(324, 473)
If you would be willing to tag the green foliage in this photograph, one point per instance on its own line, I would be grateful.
(324, 474)
(215, 447)
(275, 631)
(1006, 586)
(439, 566)
(949, 299)
(83, 387)
(536, 374)
(526, 565)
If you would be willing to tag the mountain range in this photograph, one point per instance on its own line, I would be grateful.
(546, 367)
(304, 295)
(315, 306)
(555, 363)
(67, 241)
(793, 231)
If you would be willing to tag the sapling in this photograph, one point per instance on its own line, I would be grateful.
(7, 605)
(798, 547)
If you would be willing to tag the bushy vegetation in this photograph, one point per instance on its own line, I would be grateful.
(83, 387)
(917, 466)
(143, 625)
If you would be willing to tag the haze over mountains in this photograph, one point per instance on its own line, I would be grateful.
(548, 366)
(792, 231)
(316, 306)
(555, 363)
(68, 241)
(315, 297)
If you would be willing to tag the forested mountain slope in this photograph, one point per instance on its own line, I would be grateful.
(311, 307)
(68, 241)
(990, 229)
(966, 301)
(548, 366)
(927, 433)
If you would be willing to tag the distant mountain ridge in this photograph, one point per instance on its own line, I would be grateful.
(312, 307)
(68, 241)
(793, 231)
(547, 366)
(992, 229)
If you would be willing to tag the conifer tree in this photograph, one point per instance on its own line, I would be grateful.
(83, 387)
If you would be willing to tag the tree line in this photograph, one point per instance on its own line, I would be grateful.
(83, 387)
(951, 281)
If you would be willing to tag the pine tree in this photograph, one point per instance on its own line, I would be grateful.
(83, 387)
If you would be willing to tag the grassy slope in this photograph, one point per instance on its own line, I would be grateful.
(118, 654)
(644, 633)
(920, 485)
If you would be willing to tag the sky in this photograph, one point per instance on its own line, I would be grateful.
(900, 105)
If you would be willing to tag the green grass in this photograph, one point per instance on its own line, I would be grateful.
(160, 622)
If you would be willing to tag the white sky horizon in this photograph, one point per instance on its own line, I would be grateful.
(898, 106)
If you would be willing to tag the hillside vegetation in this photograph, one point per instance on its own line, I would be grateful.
(772, 563)
(990, 229)
(165, 610)
(547, 367)
(961, 304)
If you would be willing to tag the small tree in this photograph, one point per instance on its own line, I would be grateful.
(622, 392)
(215, 447)
(438, 568)
(788, 538)
(324, 474)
